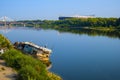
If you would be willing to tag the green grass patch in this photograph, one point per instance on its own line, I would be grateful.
(28, 68)
(5, 43)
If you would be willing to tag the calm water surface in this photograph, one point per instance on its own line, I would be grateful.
(75, 57)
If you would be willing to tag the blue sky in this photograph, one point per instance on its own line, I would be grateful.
(52, 9)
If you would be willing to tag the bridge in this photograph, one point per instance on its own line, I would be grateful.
(6, 21)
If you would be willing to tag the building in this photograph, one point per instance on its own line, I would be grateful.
(76, 16)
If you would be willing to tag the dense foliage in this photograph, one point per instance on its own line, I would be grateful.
(28, 68)
(75, 22)
(90, 22)
(4, 43)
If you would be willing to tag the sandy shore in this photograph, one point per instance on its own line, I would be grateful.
(6, 73)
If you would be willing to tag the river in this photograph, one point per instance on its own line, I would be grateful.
(74, 56)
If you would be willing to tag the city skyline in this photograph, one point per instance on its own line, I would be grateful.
(52, 9)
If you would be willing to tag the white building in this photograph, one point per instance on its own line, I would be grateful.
(76, 16)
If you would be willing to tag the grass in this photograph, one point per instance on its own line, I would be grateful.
(28, 68)
(5, 43)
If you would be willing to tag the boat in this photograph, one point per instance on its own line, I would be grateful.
(42, 53)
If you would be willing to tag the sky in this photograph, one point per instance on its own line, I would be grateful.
(52, 9)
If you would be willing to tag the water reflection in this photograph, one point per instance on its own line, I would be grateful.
(5, 29)
(91, 32)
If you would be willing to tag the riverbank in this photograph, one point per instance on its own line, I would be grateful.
(7, 73)
(26, 67)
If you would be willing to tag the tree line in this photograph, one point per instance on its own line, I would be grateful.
(89, 22)
(76, 22)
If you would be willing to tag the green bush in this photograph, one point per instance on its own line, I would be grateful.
(11, 57)
(30, 73)
(25, 64)
(28, 68)
(5, 43)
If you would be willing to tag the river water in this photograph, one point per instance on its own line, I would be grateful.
(74, 56)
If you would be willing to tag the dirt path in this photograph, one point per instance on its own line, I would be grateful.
(6, 73)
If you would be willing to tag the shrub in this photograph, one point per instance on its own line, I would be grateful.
(28, 68)
(5, 43)
(28, 73)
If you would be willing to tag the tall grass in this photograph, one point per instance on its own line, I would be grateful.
(4, 43)
(28, 68)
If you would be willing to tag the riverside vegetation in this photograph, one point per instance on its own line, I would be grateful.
(91, 26)
(76, 23)
(5, 43)
(28, 68)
